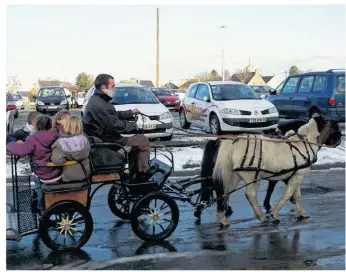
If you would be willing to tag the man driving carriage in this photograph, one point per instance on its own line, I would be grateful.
(101, 120)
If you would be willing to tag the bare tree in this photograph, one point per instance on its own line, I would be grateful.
(13, 84)
(242, 74)
(227, 74)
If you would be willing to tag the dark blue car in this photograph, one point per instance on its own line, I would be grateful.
(300, 96)
(51, 99)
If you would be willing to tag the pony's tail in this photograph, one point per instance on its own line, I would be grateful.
(208, 161)
(223, 167)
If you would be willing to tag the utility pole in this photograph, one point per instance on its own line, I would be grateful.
(157, 49)
(222, 71)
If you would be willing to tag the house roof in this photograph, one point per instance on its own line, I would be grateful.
(236, 77)
(146, 83)
(267, 78)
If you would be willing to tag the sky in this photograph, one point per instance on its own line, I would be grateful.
(60, 41)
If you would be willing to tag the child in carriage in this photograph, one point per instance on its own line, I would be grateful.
(20, 135)
(72, 145)
(59, 121)
(39, 146)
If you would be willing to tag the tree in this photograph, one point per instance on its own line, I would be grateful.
(13, 84)
(84, 81)
(294, 70)
(33, 92)
(243, 74)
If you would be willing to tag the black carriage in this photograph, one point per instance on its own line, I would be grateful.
(65, 221)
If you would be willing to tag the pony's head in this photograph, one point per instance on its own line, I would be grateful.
(322, 130)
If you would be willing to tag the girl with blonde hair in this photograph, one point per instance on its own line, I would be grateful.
(72, 145)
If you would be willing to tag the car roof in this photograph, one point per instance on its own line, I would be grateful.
(334, 71)
(213, 83)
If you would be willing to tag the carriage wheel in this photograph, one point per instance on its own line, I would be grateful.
(66, 225)
(119, 205)
(155, 217)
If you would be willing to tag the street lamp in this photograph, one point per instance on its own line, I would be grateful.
(223, 74)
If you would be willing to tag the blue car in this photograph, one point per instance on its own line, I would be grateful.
(51, 99)
(300, 96)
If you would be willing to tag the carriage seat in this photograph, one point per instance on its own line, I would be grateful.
(65, 186)
(61, 186)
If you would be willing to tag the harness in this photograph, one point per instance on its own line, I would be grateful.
(307, 158)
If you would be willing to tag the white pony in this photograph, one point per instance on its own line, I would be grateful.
(252, 158)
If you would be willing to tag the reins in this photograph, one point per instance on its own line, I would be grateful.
(231, 137)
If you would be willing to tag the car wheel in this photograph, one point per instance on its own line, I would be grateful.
(183, 121)
(214, 124)
(166, 139)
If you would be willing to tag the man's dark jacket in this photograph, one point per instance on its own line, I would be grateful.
(101, 120)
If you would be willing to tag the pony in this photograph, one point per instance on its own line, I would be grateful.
(209, 159)
(253, 158)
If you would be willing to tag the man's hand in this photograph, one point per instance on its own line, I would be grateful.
(135, 111)
(20, 142)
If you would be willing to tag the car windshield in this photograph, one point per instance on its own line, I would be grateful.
(162, 92)
(133, 95)
(17, 97)
(51, 92)
(226, 92)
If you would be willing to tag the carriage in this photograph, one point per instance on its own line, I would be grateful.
(65, 221)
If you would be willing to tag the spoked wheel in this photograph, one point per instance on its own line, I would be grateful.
(119, 204)
(155, 217)
(214, 124)
(66, 225)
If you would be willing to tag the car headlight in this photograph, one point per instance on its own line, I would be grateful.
(40, 103)
(273, 110)
(64, 102)
(231, 111)
(166, 115)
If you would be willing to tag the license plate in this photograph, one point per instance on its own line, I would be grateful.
(257, 120)
(149, 127)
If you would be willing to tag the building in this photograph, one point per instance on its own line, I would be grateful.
(275, 80)
(249, 78)
(146, 83)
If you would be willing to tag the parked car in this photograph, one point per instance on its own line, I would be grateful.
(10, 114)
(11, 104)
(180, 93)
(51, 99)
(130, 96)
(167, 98)
(222, 106)
(79, 99)
(301, 96)
(262, 90)
(19, 101)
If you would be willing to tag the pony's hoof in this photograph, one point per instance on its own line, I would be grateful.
(224, 222)
(263, 219)
(275, 217)
(302, 216)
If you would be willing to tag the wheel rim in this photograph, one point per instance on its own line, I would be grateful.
(66, 229)
(182, 119)
(155, 218)
(214, 126)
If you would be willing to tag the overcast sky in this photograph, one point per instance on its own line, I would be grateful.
(61, 41)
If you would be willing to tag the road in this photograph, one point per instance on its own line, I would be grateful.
(314, 243)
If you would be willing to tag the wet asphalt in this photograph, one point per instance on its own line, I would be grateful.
(314, 243)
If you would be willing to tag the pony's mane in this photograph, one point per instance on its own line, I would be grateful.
(309, 130)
